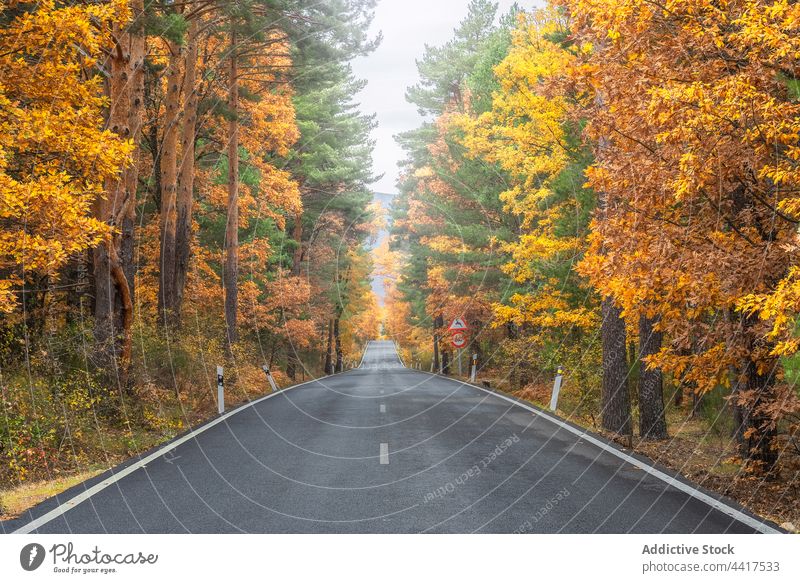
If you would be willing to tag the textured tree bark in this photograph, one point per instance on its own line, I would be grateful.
(185, 196)
(169, 185)
(437, 324)
(121, 283)
(135, 118)
(291, 363)
(107, 325)
(616, 405)
(445, 362)
(652, 423)
(615, 399)
(697, 403)
(737, 410)
(231, 271)
(759, 437)
(679, 395)
(338, 341)
(329, 349)
(112, 261)
(758, 445)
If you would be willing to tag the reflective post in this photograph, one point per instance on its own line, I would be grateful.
(271, 380)
(556, 388)
(220, 391)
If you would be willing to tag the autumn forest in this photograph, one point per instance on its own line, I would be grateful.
(606, 187)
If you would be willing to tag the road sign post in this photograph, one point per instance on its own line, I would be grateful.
(556, 389)
(271, 380)
(473, 374)
(220, 390)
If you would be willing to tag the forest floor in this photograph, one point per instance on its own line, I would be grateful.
(701, 450)
(714, 464)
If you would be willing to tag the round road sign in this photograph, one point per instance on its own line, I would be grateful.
(459, 340)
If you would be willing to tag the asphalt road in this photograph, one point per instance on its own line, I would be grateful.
(386, 449)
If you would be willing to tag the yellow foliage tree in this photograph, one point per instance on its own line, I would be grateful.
(54, 154)
(530, 133)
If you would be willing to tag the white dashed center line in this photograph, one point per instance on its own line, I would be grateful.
(383, 408)
(384, 454)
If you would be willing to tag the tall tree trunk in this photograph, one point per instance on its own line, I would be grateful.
(759, 437)
(135, 120)
(437, 324)
(185, 196)
(615, 399)
(757, 385)
(679, 395)
(445, 362)
(113, 302)
(652, 423)
(338, 341)
(737, 410)
(231, 271)
(329, 349)
(106, 206)
(169, 185)
(697, 402)
(291, 361)
(616, 405)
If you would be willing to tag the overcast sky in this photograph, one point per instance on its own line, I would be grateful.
(407, 26)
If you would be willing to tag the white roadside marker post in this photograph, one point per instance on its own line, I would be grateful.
(473, 374)
(556, 388)
(220, 391)
(271, 380)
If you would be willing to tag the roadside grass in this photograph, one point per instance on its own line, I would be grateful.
(101, 448)
(108, 448)
(16, 500)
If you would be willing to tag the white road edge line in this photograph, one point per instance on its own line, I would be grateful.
(677, 484)
(384, 454)
(100, 486)
(383, 408)
(364, 353)
(399, 357)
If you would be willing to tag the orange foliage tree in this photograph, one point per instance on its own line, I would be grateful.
(696, 120)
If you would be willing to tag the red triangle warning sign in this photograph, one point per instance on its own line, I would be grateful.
(458, 324)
